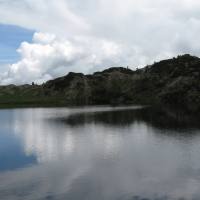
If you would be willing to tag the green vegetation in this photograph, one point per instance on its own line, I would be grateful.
(173, 82)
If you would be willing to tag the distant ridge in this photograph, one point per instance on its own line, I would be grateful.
(174, 82)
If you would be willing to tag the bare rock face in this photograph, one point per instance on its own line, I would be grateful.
(173, 82)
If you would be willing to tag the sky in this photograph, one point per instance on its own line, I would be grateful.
(45, 39)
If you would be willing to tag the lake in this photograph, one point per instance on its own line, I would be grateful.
(99, 153)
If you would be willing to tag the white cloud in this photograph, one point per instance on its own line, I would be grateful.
(76, 35)
(48, 57)
(43, 15)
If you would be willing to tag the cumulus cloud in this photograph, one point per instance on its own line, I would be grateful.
(48, 57)
(84, 36)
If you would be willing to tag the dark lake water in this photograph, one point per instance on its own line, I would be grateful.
(99, 153)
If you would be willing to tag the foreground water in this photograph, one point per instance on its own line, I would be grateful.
(98, 153)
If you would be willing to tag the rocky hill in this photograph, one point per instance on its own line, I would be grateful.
(173, 82)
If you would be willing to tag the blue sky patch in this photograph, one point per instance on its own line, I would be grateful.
(10, 39)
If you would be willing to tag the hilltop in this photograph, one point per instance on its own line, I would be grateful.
(173, 82)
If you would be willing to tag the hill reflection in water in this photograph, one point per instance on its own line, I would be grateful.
(156, 117)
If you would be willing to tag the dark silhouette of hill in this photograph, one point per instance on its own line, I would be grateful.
(174, 82)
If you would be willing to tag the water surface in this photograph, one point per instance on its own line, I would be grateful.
(99, 153)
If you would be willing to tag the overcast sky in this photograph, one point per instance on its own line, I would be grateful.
(44, 39)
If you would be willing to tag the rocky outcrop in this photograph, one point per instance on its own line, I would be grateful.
(173, 82)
